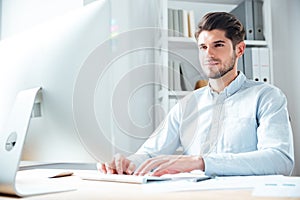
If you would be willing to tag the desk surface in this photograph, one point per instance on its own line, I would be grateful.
(111, 190)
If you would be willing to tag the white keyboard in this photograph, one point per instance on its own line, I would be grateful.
(97, 176)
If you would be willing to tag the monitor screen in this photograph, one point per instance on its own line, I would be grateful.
(50, 56)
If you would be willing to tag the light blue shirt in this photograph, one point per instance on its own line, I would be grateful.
(243, 130)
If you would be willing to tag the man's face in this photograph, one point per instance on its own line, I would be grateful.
(216, 53)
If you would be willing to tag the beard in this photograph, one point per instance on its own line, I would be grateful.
(218, 73)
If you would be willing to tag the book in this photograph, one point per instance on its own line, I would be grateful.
(185, 25)
(176, 76)
(181, 23)
(191, 23)
(176, 23)
(170, 22)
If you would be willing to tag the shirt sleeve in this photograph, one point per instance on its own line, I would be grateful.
(164, 141)
(274, 154)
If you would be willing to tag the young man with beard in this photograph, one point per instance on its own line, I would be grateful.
(233, 126)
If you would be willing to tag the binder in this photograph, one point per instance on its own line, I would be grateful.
(244, 12)
(247, 61)
(257, 64)
(240, 66)
(251, 64)
(250, 13)
(264, 64)
(258, 20)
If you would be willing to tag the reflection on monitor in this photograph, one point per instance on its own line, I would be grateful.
(50, 56)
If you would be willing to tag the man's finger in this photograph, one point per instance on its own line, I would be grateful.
(101, 167)
(110, 168)
(119, 160)
(130, 169)
(149, 166)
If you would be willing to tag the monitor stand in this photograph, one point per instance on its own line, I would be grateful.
(12, 140)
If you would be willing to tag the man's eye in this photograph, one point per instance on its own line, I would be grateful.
(202, 47)
(219, 45)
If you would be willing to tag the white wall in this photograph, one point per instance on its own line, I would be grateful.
(131, 128)
(126, 16)
(0, 17)
(286, 42)
(18, 15)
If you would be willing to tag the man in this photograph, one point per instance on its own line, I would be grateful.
(233, 126)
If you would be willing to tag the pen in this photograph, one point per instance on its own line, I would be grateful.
(284, 184)
(289, 184)
(198, 179)
(62, 174)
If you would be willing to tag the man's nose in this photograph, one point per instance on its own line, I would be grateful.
(210, 52)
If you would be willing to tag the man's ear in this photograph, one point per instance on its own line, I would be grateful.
(240, 49)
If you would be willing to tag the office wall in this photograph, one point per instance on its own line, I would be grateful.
(286, 42)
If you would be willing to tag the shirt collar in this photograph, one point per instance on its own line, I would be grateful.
(233, 87)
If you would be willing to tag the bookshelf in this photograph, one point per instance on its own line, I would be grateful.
(185, 48)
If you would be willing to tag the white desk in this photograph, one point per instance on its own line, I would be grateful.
(112, 190)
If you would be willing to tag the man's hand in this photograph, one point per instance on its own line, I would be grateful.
(170, 164)
(119, 165)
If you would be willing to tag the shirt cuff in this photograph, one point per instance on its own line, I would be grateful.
(213, 167)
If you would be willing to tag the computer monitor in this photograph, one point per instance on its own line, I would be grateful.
(50, 56)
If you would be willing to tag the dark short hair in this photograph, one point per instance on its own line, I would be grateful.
(234, 29)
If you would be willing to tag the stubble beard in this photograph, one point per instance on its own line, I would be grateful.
(223, 71)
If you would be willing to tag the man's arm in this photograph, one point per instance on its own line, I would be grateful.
(274, 154)
(164, 140)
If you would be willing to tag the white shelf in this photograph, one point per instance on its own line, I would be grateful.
(235, 2)
(173, 94)
(258, 43)
(190, 43)
(178, 94)
(182, 43)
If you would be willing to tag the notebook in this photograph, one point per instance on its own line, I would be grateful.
(12, 140)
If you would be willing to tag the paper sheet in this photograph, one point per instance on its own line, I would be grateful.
(281, 186)
(217, 183)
